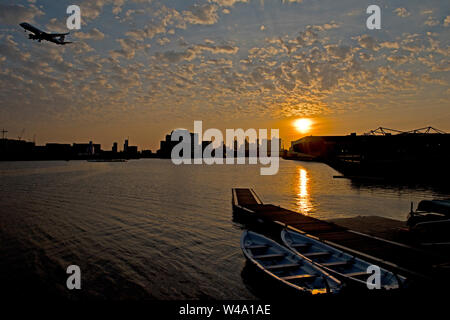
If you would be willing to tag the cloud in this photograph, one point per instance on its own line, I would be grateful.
(117, 6)
(91, 9)
(447, 21)
(224, 49)
(402, 12)
(368, 42)
(307, 37)
(398, 59)
(431, 22)
(81, 47)
(389, 45)
(426, 11)
(326, 26)
(129, 14)
(163, 41)
(56, 25)
(227, 3)
(149, 31)
(15, 14)
(128, 48)
(9, 50)
(93, 34)
(204, 14)
(442, 66)
(338, 52)
(174, 57)
(355, 12)
(194, 51)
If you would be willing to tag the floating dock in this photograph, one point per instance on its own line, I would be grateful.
(403, 259)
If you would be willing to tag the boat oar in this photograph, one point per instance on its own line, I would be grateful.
(326, 284)
(400, 284)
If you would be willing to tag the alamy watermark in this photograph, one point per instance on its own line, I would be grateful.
(210, 148)
(374, 280)
(73, 22)
(374, 20)
(74, 280)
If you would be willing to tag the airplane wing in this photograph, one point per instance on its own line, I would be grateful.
(58, 34)
(30, 28)
(59, 41)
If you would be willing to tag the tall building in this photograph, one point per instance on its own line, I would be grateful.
(114, 147)
(167, 145)
(125, 146)
(86, 149)
(90, 148)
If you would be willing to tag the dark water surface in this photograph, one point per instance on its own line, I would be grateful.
(149, 229)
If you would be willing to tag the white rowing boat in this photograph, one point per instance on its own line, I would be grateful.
(338, 262)
(284, 265)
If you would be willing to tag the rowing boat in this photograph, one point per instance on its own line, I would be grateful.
(337, 262)
(285, 266)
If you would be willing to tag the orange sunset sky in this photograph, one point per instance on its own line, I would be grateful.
(141, 68)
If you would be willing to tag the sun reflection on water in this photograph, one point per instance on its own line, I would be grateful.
(303, 200)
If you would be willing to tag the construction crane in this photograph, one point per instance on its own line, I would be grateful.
(387, 132)
(4, 132)
(426, 130)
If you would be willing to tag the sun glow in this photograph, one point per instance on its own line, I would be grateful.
(303, 125)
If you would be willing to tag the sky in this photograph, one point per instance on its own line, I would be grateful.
(142, 68)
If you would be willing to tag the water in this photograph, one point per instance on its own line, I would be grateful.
(149, 229)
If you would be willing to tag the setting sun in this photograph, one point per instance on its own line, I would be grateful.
(302, 125)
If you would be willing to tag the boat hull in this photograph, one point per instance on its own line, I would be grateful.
(278, 262)
(349, 268)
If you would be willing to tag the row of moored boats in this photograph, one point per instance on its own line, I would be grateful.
(310, 265)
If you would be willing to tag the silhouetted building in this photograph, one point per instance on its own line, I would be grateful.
(15, 149)
(58, 151)
(147, 154)
(125, 146)
(408, 155)
(114, 147)
(86, 149)
(167, 145)
(132, 150)
(268, 143)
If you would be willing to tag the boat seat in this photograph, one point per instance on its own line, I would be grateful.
(336, 263)
(269, 256)
(300, 245)
(300, 276)
(317, 254)
(256, 246)
(282, 266)
(356, 274)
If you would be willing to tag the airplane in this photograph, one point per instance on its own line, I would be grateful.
(39, 35)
